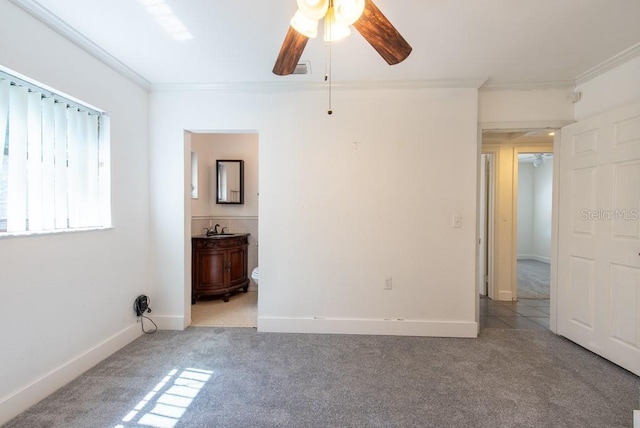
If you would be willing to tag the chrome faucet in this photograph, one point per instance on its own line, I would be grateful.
(215, 229)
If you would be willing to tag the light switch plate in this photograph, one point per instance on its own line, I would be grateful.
(457, 221)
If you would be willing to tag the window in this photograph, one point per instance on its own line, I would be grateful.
(54, 161)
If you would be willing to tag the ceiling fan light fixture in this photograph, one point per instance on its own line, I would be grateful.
(313, 9)
(347, 12)
(304, 25)
(538, 160)
(333, 29)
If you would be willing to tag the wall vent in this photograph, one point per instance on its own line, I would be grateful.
(303, 68)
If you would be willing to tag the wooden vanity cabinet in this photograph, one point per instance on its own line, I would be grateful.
(219, 265)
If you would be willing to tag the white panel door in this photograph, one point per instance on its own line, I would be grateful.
(599, 235)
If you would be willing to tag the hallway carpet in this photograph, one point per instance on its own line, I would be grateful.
(533, 279)
(237, 377)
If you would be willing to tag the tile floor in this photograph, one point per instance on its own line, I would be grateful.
(525, 314)
(240, 311)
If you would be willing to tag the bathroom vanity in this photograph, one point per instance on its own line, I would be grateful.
(219, 265)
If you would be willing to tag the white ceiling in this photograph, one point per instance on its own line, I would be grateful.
(524, 42)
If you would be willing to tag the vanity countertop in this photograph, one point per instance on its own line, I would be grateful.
(220, 236)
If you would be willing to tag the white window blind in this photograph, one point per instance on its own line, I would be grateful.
(54, 168)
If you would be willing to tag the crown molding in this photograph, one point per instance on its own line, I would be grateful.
(613, 62)
(45, 16)
(528, 86)
(292, 86)
(521, 125)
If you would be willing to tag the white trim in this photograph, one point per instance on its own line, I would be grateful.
(171, 322)
(611, 63)
(19, 401)
(538, 124)
(464, 329)
(505, 295)
(45, 16)
(528, 86)
(229, 217)
(289, 86)
(555, 213)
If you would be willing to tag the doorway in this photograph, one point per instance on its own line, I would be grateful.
(503, 307)
(205, 212)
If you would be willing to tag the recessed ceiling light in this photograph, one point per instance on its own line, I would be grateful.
(551, 134)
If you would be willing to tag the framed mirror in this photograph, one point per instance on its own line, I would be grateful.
(230, 182)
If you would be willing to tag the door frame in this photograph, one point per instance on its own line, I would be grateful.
(489, 204)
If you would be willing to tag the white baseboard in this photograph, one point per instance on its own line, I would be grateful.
(636, 419)
(506, 296)
(168, 322)
(369, 326)
(19, 401)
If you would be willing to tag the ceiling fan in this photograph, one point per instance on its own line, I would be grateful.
(338, 16)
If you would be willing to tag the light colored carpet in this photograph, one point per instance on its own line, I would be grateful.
(533, 279)
(240, 378)
(240, 311)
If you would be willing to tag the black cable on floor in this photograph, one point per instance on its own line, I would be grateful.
(155, 327)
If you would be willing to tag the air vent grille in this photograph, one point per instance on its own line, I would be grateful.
(302, 68)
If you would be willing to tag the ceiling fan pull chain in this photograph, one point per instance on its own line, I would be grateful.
(327, 77)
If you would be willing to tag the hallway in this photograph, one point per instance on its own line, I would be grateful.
(525, 314)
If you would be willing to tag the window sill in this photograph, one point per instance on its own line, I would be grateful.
(10, 235)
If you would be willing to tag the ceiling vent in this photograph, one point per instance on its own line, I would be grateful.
(303, 68)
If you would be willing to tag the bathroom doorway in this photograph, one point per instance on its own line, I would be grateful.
(241, 309)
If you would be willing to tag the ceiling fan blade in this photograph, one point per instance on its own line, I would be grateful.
(382, 35)
(290, 53)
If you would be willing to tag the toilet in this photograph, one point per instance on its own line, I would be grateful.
(254, 275)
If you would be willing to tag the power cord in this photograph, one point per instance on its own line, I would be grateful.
(140, 306)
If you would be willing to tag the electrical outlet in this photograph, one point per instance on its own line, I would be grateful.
(388, 283)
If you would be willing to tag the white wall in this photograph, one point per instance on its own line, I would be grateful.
(66, 300)
(522, 108)
(535, 187)
(525, 209)
(345, 201)
(542, 207)
(212, 147)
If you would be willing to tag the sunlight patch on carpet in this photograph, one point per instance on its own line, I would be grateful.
(175, 393)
